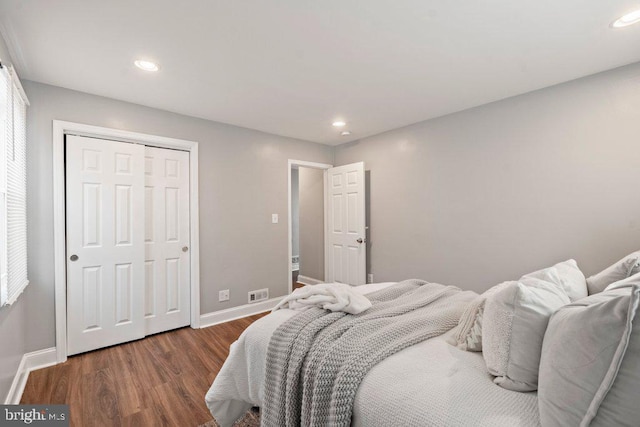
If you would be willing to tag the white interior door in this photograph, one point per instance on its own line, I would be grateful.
(105, 242)
(346, 248)
(167, 260)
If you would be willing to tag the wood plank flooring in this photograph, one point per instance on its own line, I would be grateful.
(157, 381)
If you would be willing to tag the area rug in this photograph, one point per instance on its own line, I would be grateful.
(250, 419)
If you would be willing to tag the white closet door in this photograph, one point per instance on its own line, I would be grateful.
(346, 224)
(105, 242)
(167, 260)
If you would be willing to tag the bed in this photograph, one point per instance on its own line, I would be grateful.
(553, 348)
(432, 381)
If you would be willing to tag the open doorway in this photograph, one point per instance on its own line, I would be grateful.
(338, 252)
(307, 225)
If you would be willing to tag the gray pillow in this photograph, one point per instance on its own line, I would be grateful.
(468, 334)
(590, 364)
(515, 320)
(624, 283)
(627, 266)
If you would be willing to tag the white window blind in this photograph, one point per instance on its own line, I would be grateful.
(13, 187)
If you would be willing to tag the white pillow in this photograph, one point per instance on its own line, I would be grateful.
(515, 320)
(565, 274)
(626, 267)
(468, 333)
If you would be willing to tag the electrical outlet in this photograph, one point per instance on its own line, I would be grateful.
(274, 218)
(223, 295)
(370, 278)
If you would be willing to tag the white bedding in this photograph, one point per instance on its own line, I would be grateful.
(453, 386)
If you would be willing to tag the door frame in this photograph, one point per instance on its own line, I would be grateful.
(60, 129)
(313, 165)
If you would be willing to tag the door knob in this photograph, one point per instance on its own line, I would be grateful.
(185, 248)
(359, 240)
(73, 257)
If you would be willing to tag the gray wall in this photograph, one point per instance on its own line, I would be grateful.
(243, 180)
(295, 213)
(487, 194)
(311, 223)
(13, 330)
(471, 199)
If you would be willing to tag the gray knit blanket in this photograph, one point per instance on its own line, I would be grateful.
(317, 359)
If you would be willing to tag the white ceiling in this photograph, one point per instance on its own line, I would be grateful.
(290, 67)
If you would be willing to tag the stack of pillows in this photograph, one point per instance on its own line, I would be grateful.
(575, 340)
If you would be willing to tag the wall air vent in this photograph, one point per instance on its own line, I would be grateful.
(259, 295)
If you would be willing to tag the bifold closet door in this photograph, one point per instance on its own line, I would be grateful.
(105, 242)
(167, 261)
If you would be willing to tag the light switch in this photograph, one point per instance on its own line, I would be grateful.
(274, 218)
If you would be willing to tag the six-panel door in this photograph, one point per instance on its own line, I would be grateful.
(346, 224)
(105, 242)
(167, 274)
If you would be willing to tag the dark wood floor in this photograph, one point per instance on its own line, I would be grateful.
(157, 381)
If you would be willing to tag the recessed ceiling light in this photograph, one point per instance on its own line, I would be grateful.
(628, 19)
(345, 133)
(338, 123)
(146, 65)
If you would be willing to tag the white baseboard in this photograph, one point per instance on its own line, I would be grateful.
(29, 362)
(19, 381)
(309, 280)
(239, 312)
(41, 359)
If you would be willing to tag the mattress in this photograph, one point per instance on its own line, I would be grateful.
(445, 385)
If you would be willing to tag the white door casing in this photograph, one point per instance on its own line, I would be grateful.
(105, 242)
(167, 256)
(346, 224)
(324, 167)
(61, 130)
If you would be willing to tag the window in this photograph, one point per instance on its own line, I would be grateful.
(13, 187)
